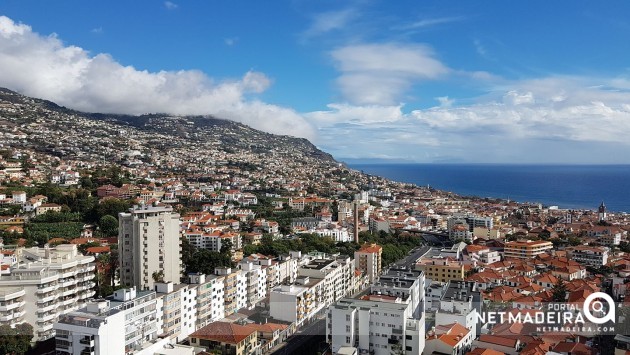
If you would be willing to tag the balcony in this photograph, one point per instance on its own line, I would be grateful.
(46, 289)
(69, 301)
(11, 306)
(47, 298)
(11, 317)
(46, 327)
(46, 317)
(68, 273)
(68, 283)
(63, 334)
(89, 341)
(69, 292)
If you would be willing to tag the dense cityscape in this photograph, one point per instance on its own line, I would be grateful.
(166, 234)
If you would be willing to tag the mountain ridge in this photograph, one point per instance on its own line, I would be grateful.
(155, 130)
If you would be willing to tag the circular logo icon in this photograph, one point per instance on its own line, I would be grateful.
(594, 303)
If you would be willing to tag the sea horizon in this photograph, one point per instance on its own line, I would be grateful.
(568, 186)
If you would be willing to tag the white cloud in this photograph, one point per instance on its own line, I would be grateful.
(170, 5)
(481, 50)
(329, 21)
(97, 30)
(554, 119)
(445, 101)
(568, 109)
(430, 22)
(379, 74)
(230, 41)
(339, 113)
(44, 67)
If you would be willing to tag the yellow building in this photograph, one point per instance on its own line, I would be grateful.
(442, 269)
(526, 249)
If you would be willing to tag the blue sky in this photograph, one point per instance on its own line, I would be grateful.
(431, 81)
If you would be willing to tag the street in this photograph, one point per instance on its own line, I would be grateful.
(413, 257)
(306, 340)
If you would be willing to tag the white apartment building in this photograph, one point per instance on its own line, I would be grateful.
(404, 283)
(383, 325)
(337, 233)
(235, 289)
(176, 310)
(337, 275)
(288, 267)
(125, 323)
(149, 242)
(460, 303)
(214, 241)
(210, 304)
(297, 302)
(589, 255)
(256, 279)
(43, 284)
(321, 283)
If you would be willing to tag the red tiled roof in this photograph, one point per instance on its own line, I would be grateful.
(484, 351)
(224, 332)
(498, 340)
(96, 250)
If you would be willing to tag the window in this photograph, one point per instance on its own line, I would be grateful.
(408, 337)
(347, 340)
(347, 317)
(348, 328)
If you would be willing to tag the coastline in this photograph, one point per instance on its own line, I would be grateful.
(567, 186)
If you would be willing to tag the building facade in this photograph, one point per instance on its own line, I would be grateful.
(44, 284)
(149, 246)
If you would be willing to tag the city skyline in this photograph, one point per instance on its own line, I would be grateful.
(433, 82)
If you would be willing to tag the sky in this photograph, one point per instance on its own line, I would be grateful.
(490, 81)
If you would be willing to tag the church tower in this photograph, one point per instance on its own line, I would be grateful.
(602, 212)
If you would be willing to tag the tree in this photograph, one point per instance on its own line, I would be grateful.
(158, 276)
(574, 241)
(249, 249)
(15, 340)
(108, 225)
(226, 246)
(559, 291)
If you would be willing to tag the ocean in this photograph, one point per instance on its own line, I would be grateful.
(565, 186)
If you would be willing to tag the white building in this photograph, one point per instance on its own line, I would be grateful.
(149, 243)
(256, 280)
(404, 283)
(337, 233)
(176, 310)
(460, 303)
(235, 289)
(337, 275)
(298, 302)
(210, 303)
(44, 284)
(384, 325)
(589, 255)
(124, 324)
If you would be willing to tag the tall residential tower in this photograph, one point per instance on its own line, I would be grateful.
(149, 246)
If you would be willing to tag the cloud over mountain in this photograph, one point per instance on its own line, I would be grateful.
(43, 66)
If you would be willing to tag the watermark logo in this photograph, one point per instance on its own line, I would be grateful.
(593, 303)
(595, 315)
